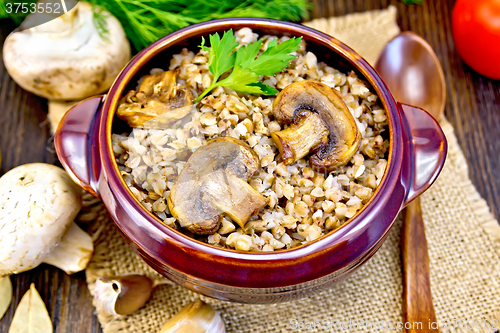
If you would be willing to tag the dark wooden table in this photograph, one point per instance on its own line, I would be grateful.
(473, 107)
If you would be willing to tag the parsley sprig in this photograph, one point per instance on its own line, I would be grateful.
(246, 66)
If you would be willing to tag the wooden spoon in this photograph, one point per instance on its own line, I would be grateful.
(412, 71)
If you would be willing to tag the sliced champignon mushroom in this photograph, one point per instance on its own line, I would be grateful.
(158, 97)
(213, 182)
(66, 58)
(320, 123)
(38, 203)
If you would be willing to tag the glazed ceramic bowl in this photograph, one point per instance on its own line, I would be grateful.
(416, 156)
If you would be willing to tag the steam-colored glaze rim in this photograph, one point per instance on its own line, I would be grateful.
(311, 253)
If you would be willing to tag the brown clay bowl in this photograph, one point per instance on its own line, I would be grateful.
(416, 155)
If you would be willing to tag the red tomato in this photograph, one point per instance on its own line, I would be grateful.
(476, 31)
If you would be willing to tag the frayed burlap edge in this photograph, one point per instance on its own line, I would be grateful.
(480, 207)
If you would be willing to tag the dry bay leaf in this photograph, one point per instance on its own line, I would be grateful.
(31, 314)
(5, 294)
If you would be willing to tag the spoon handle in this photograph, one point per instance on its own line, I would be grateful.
(417, 298)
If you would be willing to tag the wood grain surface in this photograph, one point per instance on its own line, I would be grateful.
(473, 107)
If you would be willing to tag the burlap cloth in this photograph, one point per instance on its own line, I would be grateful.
(463, 238)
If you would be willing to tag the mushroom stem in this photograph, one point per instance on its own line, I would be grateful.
(73, 252)
(57, 110)
(312, 99)
(234, 196)
(298, 140)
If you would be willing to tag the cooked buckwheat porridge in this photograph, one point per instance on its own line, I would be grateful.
(214, 171)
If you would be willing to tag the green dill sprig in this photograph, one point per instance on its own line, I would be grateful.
(99, 18)
(3, 10)
(145, 21)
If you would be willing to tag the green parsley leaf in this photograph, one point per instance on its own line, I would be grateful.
(247, 67)
(222, 57)
(240, 80)
(245, 56)
(266, 90)
(276, 57)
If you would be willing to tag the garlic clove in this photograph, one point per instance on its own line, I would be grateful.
(196, 317)
(73, 252)
(122, 295)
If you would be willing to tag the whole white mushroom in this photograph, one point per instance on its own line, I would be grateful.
(38, 203)
(67, 58)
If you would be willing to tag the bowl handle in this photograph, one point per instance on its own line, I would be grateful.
(425, 149)
(76, 143)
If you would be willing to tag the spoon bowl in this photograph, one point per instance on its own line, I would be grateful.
(412, 71)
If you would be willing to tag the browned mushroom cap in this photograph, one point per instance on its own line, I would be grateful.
(158, 95)
(320, 122)
(213, 182)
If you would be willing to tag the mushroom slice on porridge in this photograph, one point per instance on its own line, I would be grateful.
(320, 123)
(158, 96)
(213, 183)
